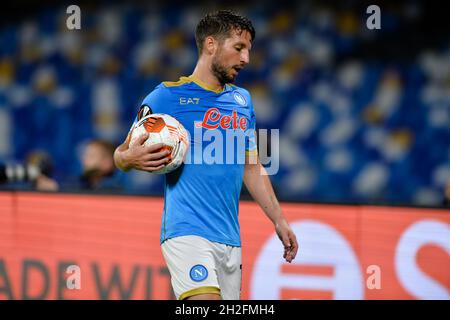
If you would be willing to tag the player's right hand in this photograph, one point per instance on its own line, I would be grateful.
(146, 158)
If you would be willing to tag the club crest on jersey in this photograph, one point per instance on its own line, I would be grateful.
(213, 119)
(198, 273)
(239, 98)
(145, 110)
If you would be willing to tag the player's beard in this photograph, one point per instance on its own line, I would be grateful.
(221, 72)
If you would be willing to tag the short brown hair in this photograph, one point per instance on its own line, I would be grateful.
(219, 24)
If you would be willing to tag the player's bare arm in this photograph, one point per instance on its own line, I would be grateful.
(260, 188)
(136, 155)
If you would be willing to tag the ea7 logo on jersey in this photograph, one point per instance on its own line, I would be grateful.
(189, 100)
(145, 110)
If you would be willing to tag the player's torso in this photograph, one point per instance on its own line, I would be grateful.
(217, 122)
(201, 197)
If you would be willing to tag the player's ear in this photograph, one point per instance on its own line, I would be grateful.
(210, 45)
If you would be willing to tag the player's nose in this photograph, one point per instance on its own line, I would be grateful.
(245, 57)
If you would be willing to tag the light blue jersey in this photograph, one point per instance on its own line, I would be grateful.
(202, 196)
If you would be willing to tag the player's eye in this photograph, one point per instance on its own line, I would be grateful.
(238, 48)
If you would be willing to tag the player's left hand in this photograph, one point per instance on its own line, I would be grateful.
(288, 239)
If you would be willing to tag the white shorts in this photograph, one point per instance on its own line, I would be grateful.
(199, 266)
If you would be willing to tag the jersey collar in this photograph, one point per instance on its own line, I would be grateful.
(205, 86)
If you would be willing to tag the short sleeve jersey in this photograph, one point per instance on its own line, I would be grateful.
(202, 196)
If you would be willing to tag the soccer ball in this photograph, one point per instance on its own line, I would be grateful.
(165, 129)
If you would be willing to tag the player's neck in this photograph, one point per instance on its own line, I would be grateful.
(202, 73)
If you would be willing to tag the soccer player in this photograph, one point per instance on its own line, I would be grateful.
(200, 237)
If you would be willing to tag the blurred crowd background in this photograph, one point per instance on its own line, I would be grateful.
(364, 115)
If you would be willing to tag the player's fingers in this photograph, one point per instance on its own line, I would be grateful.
(294, 247)
(152, 168)
(287, 255)
(156, 163)
(292, 250)
(157, 155)
(141, 139)
(154, 147)
(287, 246)
(291, 254)
(285, 240)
